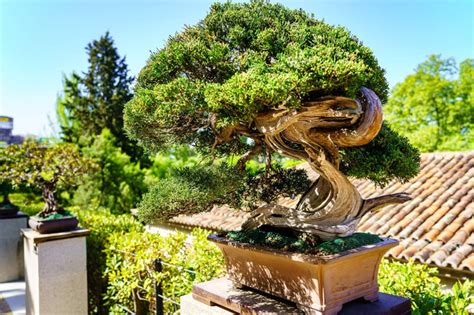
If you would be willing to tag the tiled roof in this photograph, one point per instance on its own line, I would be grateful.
(435, 227)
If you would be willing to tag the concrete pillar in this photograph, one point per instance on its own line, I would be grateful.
(11, 247)
(56, 272)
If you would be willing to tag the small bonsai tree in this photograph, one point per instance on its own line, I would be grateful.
(44, 167)
(5, 189)
(258, 79)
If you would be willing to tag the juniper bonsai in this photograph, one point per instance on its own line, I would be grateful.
(45, 168)
(258, 79)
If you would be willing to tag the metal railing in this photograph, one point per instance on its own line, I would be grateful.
(159, 297)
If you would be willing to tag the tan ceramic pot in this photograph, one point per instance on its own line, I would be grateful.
(317, 284)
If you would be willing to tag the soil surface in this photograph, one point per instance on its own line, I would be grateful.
(302, 243)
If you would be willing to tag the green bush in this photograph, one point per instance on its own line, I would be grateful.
(164, 164)
(415, 281)
(101, 223)
(117, 185)
(127, 273)
(419, 283)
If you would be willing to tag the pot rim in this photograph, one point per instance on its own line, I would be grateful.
(386, 242)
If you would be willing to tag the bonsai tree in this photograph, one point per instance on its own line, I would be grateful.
(6, 188)
(258, 79)
(45, 168)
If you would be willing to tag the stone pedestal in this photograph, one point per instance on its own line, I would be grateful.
(11, 247)
(219, 297)
(56, 272)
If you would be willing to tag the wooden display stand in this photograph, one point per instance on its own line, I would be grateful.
(219, 297)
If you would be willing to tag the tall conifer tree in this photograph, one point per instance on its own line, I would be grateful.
(95, 99)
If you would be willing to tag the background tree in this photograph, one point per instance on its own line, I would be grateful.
(434, 107)
(118, 185)
(257, 78)
(95, 99)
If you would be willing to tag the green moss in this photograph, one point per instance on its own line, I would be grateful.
(341, 244)
(303, 243)
(66, 214)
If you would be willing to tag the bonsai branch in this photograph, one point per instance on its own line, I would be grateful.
(256, 149)
(375, 204)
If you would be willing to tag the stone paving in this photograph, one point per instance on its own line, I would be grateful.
(12, 298)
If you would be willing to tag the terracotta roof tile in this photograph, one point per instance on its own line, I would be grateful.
(436, 226)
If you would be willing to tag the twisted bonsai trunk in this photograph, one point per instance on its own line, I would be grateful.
(51, 204)
(6, 200)
(332, 206)
(6, 203)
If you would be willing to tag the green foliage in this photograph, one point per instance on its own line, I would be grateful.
(29, 203)
(434, 107)
(95, 100)
(387, 157)
(197, 189)
(190, 190)
(117, 185)
(243, 59)
(165, 164)
(127, 273)
(419, 283)
(268, 185)
(45, 168)
(302, 243)
(102, 224)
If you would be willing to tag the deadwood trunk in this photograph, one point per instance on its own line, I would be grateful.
(315, 132)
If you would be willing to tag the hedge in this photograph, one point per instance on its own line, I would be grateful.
(415, 281)
(112, 275)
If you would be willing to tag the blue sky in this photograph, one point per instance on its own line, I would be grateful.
(42, 40)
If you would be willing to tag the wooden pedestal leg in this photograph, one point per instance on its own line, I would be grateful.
(372, 297)
(307, 310)
(237, 285)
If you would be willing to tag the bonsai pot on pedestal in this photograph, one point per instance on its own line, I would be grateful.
(8, 210)
(44, 226)
(317, 284)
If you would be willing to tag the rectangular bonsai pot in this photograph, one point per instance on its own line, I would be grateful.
(317, 284)
(45, 226)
